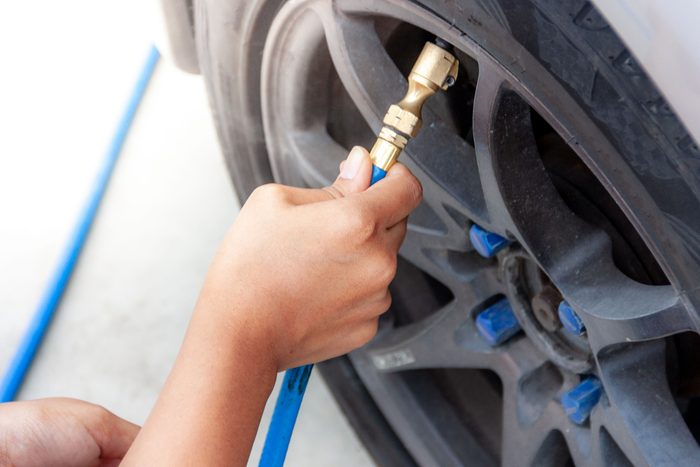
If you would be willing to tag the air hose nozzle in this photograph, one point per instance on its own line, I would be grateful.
(435, 69)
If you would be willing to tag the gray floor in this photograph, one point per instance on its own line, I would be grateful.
(124, 315)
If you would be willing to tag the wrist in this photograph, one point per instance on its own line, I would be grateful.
(236, 334)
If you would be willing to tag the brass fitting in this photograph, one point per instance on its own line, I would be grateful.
(435, 69)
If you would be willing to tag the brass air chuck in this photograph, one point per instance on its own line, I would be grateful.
(435, 69)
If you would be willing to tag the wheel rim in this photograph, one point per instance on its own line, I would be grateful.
(500, 183)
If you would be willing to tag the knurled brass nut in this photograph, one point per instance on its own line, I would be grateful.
(405, 122)
(393, 137)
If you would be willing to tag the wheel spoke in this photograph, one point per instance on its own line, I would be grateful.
(452, 268)
(446, 339)
(614, 308)
(530, 416)
(516, 184)
(640, 313)
(437, 444)
(367, 72)
(447, 256)
(522, 445)
(305, 154)
(316, 155)
(605, 448)
(459, 185)
(520, 198)
(643, 415)
(489, 89)
(449, 339)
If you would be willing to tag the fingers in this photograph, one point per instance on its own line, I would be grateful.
(378, 209)
(352, 335)
(286, 195)
(113, 434)
(355, 174)
(122, 436)
(354, 177)
(373, 307)
(343, 342)
(66, 422)
(363, 334)
(396, 234)
(383, 205)
(392, 199)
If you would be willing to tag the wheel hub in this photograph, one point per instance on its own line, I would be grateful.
(544, 306)
(535, 301)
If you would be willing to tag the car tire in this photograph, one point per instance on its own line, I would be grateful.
(573, 43)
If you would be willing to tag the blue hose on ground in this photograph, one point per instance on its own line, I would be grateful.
(290, 397)
(24, 355)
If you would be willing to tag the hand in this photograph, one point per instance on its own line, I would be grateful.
(62, 432)
(306, 271)
(301, 276)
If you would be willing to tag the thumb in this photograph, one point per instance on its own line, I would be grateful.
(355, 173)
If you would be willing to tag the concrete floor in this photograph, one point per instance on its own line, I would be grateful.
(121, 322)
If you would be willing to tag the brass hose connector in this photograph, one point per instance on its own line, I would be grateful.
(435, 69)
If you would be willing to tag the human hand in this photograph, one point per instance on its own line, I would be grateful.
(306, 272)
(62, 432)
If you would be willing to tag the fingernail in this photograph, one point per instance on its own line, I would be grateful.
(352, 164)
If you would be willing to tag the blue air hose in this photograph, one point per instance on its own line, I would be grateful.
(24, 355)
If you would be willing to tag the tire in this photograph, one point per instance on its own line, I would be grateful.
(631, 158)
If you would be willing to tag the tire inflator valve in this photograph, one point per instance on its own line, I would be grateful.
(435, 69)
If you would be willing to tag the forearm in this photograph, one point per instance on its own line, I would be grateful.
(4, 442)
(210, 407)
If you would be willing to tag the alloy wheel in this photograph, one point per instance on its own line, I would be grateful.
(512, 153)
